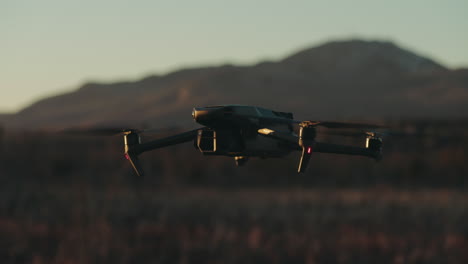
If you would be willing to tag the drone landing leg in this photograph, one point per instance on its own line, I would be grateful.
(305, 158)
(240, 161)
(132, 139)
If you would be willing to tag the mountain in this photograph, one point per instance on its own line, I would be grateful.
(352, 79)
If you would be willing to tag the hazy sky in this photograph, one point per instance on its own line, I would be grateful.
(51, 46)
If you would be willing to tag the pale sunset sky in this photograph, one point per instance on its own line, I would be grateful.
(54, 46)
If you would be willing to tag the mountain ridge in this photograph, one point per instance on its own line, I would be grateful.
(336, 80)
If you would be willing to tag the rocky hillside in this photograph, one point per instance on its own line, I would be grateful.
(338, 80)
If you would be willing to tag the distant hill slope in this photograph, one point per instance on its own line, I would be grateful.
(338, 80)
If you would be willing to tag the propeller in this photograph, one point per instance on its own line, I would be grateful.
(390, 133)
(107, 131)
(332, 124)
(353, 133)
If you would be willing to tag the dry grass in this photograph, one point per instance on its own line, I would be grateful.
(253, 226)
(74, 199)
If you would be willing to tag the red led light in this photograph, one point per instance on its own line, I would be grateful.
(309, 150)
(126, 156)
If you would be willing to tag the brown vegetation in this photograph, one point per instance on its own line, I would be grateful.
(73, 199)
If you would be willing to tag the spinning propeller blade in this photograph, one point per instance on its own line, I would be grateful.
(332, 124)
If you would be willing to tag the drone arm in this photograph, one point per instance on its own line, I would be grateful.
(306, 143)
(133, 147)
(164, 142)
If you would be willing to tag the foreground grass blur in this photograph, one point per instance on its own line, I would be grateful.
(249, 226)
(70, 199)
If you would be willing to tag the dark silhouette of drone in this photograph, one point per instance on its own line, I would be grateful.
(242, 132)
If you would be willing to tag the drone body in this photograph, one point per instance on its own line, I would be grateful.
(242, 132)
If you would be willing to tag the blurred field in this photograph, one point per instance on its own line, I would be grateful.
(250, 226)
(70, 199)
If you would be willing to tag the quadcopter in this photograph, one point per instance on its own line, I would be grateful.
(243, 132)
